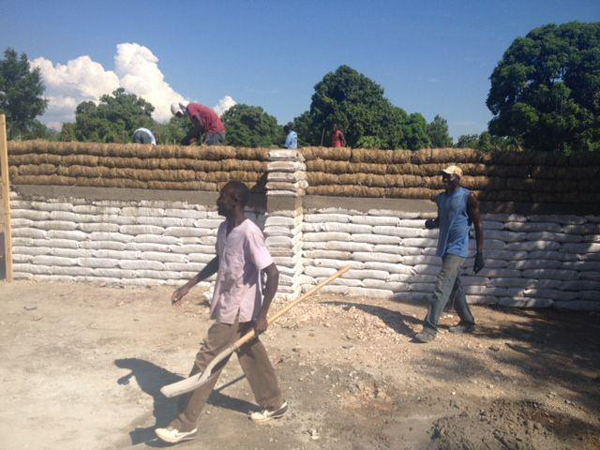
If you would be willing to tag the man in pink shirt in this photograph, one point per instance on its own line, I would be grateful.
(237, 306)
(205, 120)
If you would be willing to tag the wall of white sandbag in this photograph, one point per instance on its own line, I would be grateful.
(106, 241)
(531, 261)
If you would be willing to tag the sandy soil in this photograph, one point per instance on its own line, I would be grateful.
(82, 366)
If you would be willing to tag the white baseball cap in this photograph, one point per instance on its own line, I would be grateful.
(177, 108)
(453, 170)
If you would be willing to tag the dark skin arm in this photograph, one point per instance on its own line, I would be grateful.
(475, 216)
(261, 323)
(209, 270)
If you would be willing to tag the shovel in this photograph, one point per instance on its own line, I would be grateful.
(195, 381)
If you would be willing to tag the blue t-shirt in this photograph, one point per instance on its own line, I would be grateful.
(291, 141)
(454, 223)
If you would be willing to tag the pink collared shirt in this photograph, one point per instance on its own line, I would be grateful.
(242, 255)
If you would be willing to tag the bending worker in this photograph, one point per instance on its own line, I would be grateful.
(457, 209)
(237, 306)
(206, 122)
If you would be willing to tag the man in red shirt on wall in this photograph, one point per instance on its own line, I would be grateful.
(206, 122)
(338, 137)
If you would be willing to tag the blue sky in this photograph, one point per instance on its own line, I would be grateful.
(432, 57)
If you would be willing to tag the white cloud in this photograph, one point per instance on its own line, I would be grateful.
(224, 104)
(136, 70)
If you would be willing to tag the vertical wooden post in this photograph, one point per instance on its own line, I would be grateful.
(5, 199)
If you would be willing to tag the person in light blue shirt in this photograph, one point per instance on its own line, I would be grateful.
(291, 141)
(144, 136)
(458, 208)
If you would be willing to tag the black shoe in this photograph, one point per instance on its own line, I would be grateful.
(423, 337)
(461, 328)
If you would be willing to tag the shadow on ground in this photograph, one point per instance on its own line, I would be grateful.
(151, 378)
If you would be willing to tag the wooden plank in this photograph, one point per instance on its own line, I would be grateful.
(5, 200)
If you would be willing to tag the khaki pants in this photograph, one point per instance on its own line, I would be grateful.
(255, 364)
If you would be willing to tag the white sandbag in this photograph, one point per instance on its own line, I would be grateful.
(426, 269)
(140, 264)
(506, 236)
(509, 282)
(336, 227)
(192, 248)
(281, 221)
(347, 246)
(398, 250)
(104, 263)
(104, 236)
(181, 232)
(337, 264)
(578, 305)
(369, 293)
(29, 233)
(377, 239)
(291, 177)
(401, 232)
(100, 244)
(591, 238)
(391, 268)
(51, 206)
(534, 264)
(361, 274)
(555, 274)
(47, 260)
(96, 209)
(52, 243)
(587, 295)
(285, 166)
(319, 271)
(412, 278)
(582, 266)
(134, 230)
(554, 255)
(209, 223)
(590, 276)
(102, 227)
(55, 279)
(588, 257)
(372, 283)
(553, 294)
(69, 270)
(133, 246)
(156, 239)
(324, 218)
(581, 248)
(21, 258)
(201, 257)
(164, 257)
(326, 237)
(68, 216)
(532, 226)
(543, 283)
(28, 250)
(534, 245)
(140, 211)
(549, 236)
(481, 300)
(420, 242)
(279, 231)
(524, 302)
(489, 225)
(115, 254)
(492, 291)
(330, 254)
(285, 155)
(377, 257)
(162, 222)
(374, 220)
(562, 219)
(329, 289)
(29, 214)
(412, 223)
(185, 213)
(54, 225)
(74, 235)
(499, 273)
(422, 259)
(279, 241)
(159, 274)
(580, 285)
(70, 252)
(469, 280)
(185, 267)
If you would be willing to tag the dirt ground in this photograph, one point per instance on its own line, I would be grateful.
(82, 366)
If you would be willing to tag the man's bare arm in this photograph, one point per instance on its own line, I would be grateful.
(270, 291)
(475, 216)
(208, 270)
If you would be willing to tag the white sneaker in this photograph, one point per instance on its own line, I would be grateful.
(266, 415)
(173, 436)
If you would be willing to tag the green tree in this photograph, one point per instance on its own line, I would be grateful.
(173, 132)
(21, 94)
(114, 119)
(251, 126)
(438, 133)
(357, 104)
(416, 132)
(545, 92)
(67, 133)
(468, 141)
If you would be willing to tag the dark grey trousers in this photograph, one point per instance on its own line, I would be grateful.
(448, 288)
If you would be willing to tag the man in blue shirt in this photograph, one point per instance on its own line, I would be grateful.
(457, 209)
(291, 141)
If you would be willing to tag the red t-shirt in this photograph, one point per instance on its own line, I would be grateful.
(205, 119)
(337, 138)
